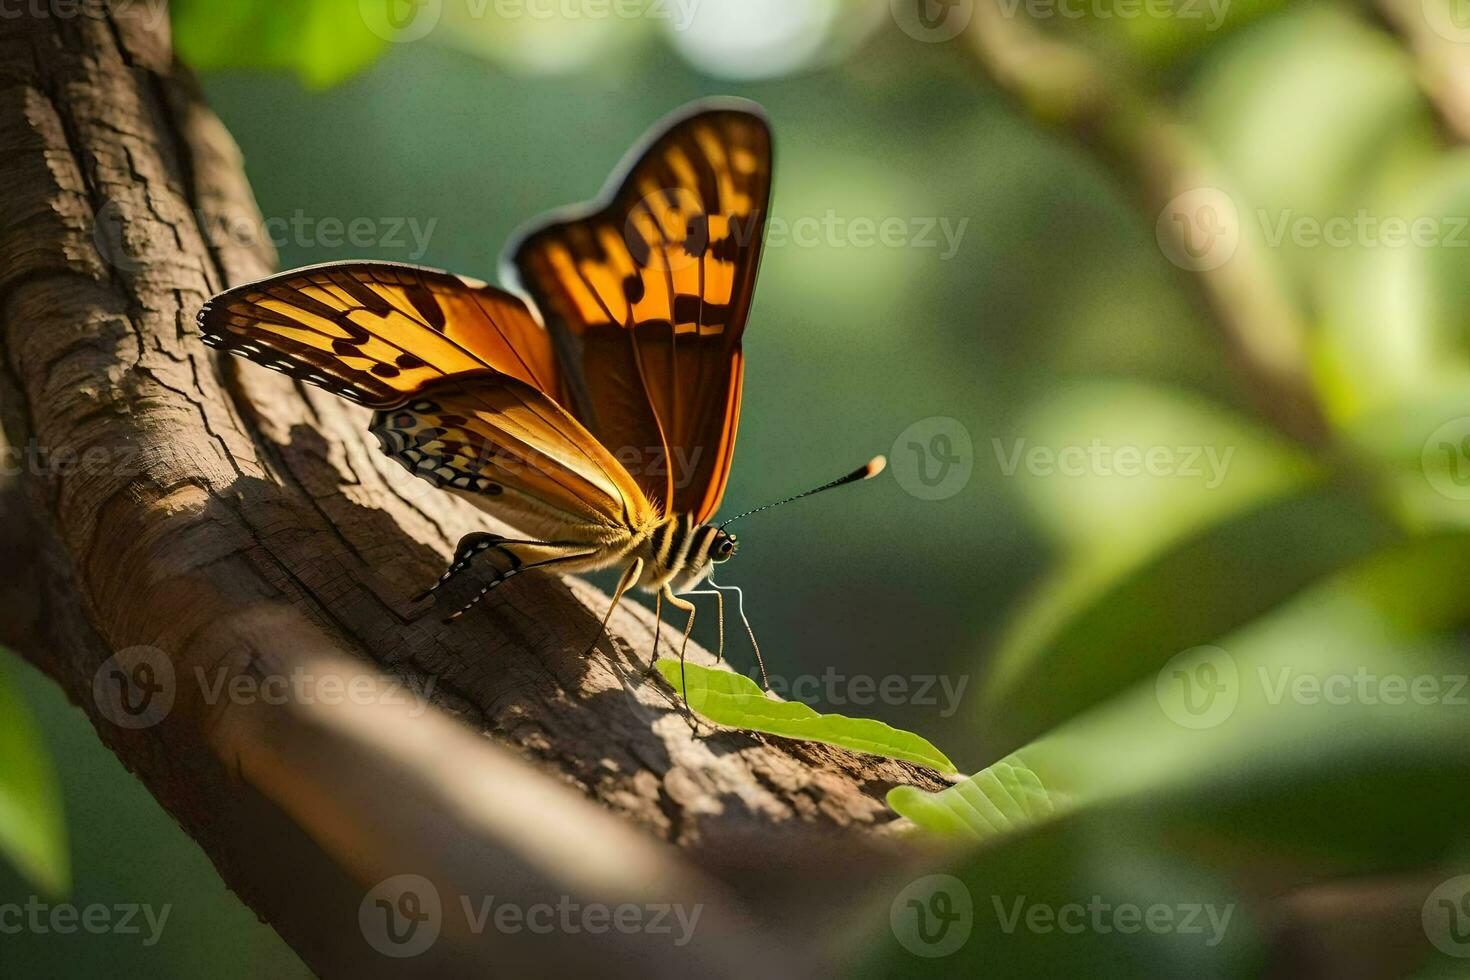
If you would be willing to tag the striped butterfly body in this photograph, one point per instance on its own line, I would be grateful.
(602, 429)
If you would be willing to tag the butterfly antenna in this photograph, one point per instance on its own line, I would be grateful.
(867, 471)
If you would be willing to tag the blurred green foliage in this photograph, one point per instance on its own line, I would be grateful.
(1181, 659)
(321, 42)
(32, 835)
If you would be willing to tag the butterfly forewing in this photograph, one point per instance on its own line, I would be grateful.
(648, 294)
(375, 332)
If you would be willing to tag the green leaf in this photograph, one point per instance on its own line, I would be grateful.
(727, 698)
(1087, 637)
(999, 800)
(322, 41)
(32, 831)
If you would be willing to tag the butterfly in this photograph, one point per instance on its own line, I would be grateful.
(600, 419)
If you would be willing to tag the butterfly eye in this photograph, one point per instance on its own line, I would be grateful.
(724, 549)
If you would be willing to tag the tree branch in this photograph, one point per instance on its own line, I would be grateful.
(211, 523)
(1441, 56)
(1160, 163)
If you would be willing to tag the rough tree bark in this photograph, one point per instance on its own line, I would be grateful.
(212, 521)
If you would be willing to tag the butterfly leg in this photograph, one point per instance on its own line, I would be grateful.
(658, 622)
(469, 547)
(629, 577)
(719, 613)
(507, 557)
(686, 606)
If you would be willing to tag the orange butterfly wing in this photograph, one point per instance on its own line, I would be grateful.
(463, 377)
(505, 445)
(374, 332)
(647, 294)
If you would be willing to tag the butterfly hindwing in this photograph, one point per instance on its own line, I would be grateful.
(513, 450)
(375, 332)
(647, 295)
